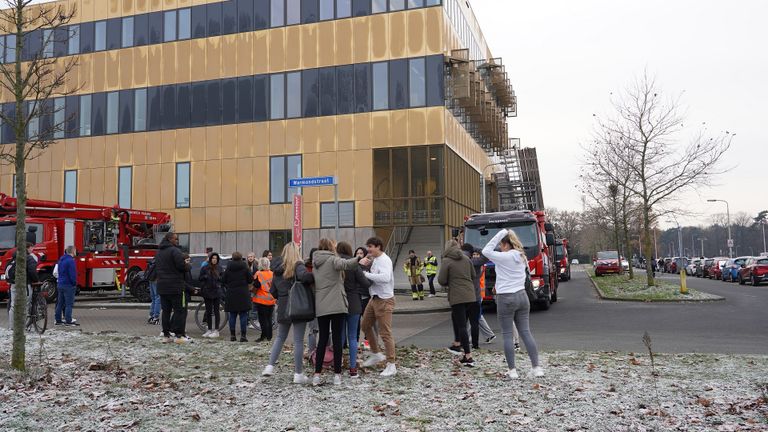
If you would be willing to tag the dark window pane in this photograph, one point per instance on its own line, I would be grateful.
(72, 117)
(74, 40)
(169, 107)
(261, 97)
(214, 103)
(345, 89)
(381, 86)
(362, 87)
(199, 108)
(309, 11)
(114, 33)
(199, 21)
(9, 136)
(343, 8)
(328, 91)
(326, 10)
(244, 15)
(398, 84)
(245, 99)
(33, 43)
(277, 13)
(126, 111)
(183, 105)
(185, 24)
(361, 7)
(141, 30)
(86, 37)
(435, 86)
(60, 42)
(292, 12)
(85, 115)
(154, 109)
(310, 93)
(98, 113)
(229, 107)
(260, 14)
(214, 19)
(229, 17)
(156, 27)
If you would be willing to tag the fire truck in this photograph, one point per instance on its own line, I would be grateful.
(538, 238)
(562, 260)
(113, 244)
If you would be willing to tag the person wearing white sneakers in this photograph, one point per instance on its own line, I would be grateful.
(513, 306)
(380, 308)
(210, 277)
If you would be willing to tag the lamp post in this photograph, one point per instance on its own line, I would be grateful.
(728, 215)
(701, 239)
(680, 267)
(482, 184)
(765, 250)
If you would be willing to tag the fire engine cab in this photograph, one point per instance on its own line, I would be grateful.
(113, 244)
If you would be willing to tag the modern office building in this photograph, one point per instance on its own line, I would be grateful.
(205, 109)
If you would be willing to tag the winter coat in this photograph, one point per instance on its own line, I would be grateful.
(211, 288)
(67, 272)
(412, 268)
(330, 295)
(457, 275)
(31, 270)
(170, 268)
(281, 288)
(355, 285)
(478, 264)
(237, 280)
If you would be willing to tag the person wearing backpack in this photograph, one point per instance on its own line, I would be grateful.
(154, 306)
(265, 303)
(32, 278)
(512, 301)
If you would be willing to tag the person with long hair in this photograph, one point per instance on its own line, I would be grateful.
(287, 269)
(456, 275)
(365, 297)
(355, 283)
(210, 277)
(331, 303)
(265, 303)
(513, 306)
(238, 279)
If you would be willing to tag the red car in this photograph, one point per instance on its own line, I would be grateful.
(608, 262)
(754, 270)
(716, 270)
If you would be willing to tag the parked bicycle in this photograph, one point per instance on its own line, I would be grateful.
(37, 313)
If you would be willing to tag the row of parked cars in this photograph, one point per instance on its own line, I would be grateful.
(745, 269)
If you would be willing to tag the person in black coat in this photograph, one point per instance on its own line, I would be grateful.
(32, 278)
(355, 285)
(171, 270)
(211, 276)
(238, 281)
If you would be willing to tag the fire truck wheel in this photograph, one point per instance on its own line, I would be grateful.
(140, 290)
(49, 286)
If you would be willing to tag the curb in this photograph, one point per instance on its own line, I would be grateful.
(602, 297)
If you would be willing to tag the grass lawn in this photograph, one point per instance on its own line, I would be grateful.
(620, 287)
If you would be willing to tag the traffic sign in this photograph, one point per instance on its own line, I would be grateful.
(730, 243)
(312, 181)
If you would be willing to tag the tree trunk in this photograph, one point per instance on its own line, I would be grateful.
(647, 244)
(627, 242)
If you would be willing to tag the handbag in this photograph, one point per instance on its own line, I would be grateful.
(301, 302)
(327, 358)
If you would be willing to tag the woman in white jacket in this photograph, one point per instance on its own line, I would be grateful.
(513, 306)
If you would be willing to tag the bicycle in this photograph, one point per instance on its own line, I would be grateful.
(37, 313)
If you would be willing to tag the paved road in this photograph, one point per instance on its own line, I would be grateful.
(579, 321)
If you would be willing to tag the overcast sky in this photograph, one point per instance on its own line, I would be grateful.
(564, 57)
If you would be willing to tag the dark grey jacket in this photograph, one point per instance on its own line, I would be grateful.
(456, 275)
(356, 285)
(478, 264)
(170, 269)
(281, 288)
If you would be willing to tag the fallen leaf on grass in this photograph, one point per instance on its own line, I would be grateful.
(704, 402)
(635, 361)
(195, 416)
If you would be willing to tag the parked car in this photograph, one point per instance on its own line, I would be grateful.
(716, 271)
(755, 270)
(574, 262)
(731, 270)
(607, 262)
(690, 269)
(624, 265)
(703, 269)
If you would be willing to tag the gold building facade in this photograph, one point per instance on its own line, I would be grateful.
(204, 109)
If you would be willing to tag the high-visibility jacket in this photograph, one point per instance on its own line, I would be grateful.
(430, 263)
(482, 283)
(263, 296)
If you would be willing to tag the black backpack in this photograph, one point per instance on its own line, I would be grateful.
(150, 273)
(10, 271)
(529, 284)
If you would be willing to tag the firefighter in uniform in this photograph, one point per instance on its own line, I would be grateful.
(430, 264)
(412, 268)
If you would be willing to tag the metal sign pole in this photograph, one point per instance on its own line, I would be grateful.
(336, 203)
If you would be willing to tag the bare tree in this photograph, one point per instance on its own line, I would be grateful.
(645, 131)
(33, 77)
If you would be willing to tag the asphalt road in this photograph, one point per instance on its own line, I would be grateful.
(578, 321)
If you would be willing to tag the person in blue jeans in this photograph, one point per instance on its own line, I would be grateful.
(67, 285)
(355, 283)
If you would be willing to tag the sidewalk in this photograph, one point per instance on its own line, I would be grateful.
(404, 304)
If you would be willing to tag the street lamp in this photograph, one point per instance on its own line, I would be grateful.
(762, 223)
(482, 183)
(701, 239)
(728, 213)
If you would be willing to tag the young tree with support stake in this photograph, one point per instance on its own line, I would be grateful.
(645, 130)
(30, 81)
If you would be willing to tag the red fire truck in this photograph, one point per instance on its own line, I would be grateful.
(562, 260)
(113, 244)
(538, 238)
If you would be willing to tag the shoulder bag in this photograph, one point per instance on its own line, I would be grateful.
(301, 302)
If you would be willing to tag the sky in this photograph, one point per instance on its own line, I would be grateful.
(565, 57)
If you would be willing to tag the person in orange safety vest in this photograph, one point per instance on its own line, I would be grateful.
(265, 303)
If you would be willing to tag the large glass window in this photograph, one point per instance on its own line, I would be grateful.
(435, 185)
(417, 84)
(327, 91)
(310, 92)
(60, 42)
(292, 12)
(140, 104)
(199, 21)
(59, 118)
(114, 33)
(378, 6)
(396, 5)
(435, 87)
(100, 38)
(245, 16)
(282, 169)
(113, 104)
(229, 17)
(214, 103)
(185, 24)
(419, 177)
(343, 8)
(182, 184)
(277, 96)
(70, 186)
(362, 87)
(199, 105)
(74, 40)
(154, 109)
(346, 214)
(33, 125)
(72, 115)
(261, 97)
(398, 84)
(229, 94)
(124, 186)
(183, 105)
(156, 27)
(98, 113)
(261, 14)
(293, 95)
(169, 26)
(214, 19)
(309, 11)
(326, 10)
(277, 13)
(381, 86)
(48, 43)
(345, 85)
(86, 37)
(169, 107)
(127, 38)
(245, 99)
(361, 7)
(140, 29)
